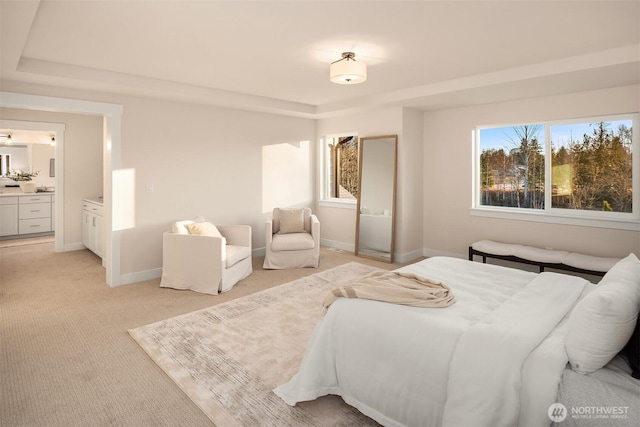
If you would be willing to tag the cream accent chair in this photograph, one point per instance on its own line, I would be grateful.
(292, 239)
(202, 257)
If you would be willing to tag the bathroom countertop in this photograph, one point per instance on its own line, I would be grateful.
(6, 193)
(96, 200)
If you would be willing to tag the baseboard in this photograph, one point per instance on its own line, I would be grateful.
(434, 252)
(140, 276)
(338, 245)
(73, 247)
(409, 256)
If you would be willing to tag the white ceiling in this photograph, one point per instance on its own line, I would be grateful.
(274, 55)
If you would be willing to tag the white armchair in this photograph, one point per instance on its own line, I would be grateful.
(205, 258)
(292, 239)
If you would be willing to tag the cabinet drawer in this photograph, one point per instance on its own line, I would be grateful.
(35, 210)
(93, 208)
(38, 225)
(35, 199)
(9, 200)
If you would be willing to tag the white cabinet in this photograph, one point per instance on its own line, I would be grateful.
(34, 214)
(8, 216)
(25, 214)
(92, 226)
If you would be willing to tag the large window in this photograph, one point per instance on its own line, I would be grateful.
(340, 154)
(581, 168)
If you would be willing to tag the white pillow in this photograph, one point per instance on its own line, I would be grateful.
(291, 221)
(180, 227)
(203, 229)
(603, 321)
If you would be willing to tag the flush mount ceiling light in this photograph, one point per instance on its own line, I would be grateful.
(347, 71)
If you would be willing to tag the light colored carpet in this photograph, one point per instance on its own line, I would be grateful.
(66, 358)
(10, 243)
(229, 357)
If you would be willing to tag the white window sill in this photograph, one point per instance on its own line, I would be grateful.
(338, 203)
(618, 224)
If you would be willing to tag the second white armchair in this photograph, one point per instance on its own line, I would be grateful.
(292, 239)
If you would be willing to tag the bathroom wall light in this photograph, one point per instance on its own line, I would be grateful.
(346, 71)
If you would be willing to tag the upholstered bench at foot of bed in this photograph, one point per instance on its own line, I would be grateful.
(543, 258)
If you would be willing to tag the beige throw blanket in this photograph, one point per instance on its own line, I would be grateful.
(395, 288)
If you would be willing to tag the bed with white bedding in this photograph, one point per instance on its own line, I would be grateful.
(495, 357)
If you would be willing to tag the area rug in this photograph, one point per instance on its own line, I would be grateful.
(229, 357)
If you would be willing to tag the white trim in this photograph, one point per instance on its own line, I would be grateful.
(547, 217)
(73, 247)
(140, 276)
(58, 130)
(111, 147)
(339, 203)
(347, 247)
(428, 252)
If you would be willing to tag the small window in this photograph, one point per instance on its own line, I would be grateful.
(340, 168)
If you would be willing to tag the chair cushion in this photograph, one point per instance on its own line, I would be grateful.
(496, 248)
(203, 229)
(292, 242)
(589, 262)
(236, 254)
(306, 215)
(291, 221)
(540, 255)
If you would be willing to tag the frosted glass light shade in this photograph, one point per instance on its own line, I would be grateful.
(348, 72)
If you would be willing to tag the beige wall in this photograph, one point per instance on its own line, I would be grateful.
(338, 224)
(214, 162)
(41, 154)
(231, 166)
(82, 162)
(448, 226)
(200, 160)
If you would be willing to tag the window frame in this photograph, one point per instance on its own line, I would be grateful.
(325, 199)
(549, 214)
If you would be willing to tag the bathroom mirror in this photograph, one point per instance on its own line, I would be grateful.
(376, 197)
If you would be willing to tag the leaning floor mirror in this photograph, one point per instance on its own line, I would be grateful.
(376, 197)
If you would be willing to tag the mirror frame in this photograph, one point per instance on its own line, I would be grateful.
(361, 142)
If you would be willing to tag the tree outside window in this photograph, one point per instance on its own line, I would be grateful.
(590, 166)
(343, 167)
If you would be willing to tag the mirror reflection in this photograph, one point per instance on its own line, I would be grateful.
(376, 197)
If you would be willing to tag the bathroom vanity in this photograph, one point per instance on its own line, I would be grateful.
(24, 214)
(93, 225)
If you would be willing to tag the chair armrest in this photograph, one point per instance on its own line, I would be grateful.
(268, 232)
(315, 225)
(193, 250)
(239, 235)
(315, 229)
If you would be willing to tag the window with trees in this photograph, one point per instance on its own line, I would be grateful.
(341, 167)
(576, 168)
